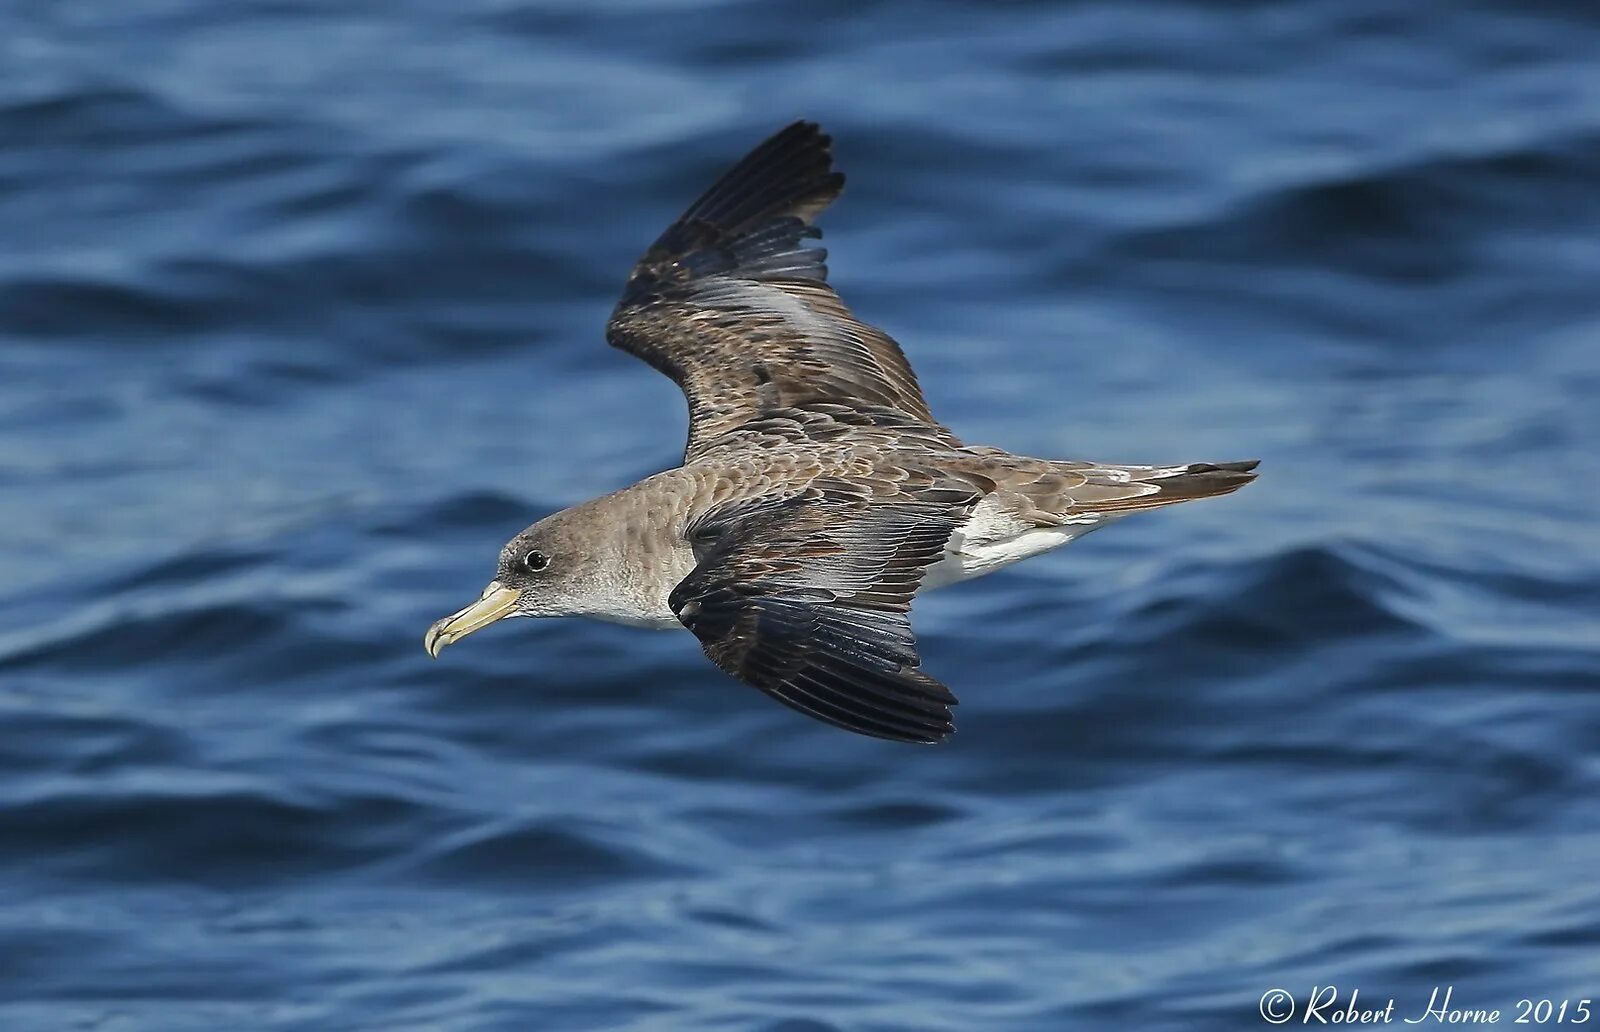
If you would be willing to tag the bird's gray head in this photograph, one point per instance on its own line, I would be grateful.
(549, 569)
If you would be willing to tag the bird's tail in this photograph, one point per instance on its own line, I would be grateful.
(1203, 480)
(1119, 489)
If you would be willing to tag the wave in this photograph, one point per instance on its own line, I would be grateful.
(1288, 603)
(541, 852)
(302, 298)
(1416, 223)
(204, 836)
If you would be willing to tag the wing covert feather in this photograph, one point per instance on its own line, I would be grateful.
(734, 306)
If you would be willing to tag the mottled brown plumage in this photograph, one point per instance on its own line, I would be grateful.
(818, 494)
(732, 305)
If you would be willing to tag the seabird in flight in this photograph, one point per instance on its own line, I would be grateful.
(817, 493)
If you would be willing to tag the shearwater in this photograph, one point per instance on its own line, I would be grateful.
(817, 493)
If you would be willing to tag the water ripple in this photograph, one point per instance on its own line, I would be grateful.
(303, 319)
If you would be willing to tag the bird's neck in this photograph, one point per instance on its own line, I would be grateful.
(645, 551)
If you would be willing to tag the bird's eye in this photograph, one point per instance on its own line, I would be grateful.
(536, 560)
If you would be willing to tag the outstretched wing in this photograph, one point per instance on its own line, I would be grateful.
(808, 598)
(732, 304)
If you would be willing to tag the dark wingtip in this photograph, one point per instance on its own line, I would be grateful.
(790, 173)
(901, 706)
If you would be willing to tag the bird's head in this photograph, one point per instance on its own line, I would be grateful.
(543, 571)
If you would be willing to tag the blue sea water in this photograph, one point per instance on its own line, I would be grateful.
(301, 311)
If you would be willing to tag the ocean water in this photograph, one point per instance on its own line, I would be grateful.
(301, 311)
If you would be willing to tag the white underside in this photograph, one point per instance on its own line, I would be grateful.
(988, 543)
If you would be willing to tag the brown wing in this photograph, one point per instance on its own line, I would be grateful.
(732, 304)
(808, 598)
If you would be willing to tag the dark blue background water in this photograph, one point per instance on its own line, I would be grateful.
(300, 318)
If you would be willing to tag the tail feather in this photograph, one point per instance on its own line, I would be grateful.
(1205, 479)
(1118, 489)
